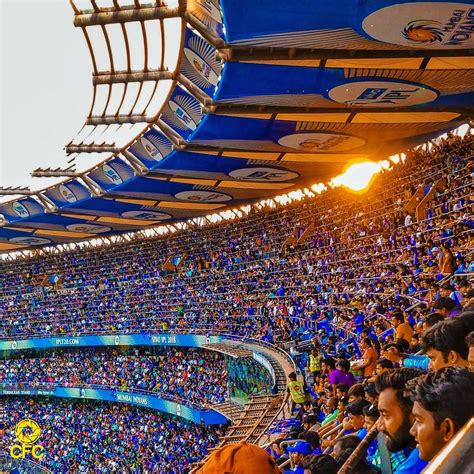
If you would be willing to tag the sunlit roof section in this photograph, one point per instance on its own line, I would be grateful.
(201, 108)
(134, 68)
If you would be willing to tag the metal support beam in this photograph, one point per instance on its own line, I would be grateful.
(92, 186)
(125, 16)
(47, 203)
(10, 191)
(206, 32)
(135, 163)
(56, 173)
(230, 109)
(119, 77)
(176, 139)
(198, 93)
(118, 119)
(259, 53)
(92, 149)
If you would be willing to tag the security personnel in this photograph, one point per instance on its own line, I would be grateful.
(314, 363)
(296, 390)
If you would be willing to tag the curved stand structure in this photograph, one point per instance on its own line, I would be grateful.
(195, 110)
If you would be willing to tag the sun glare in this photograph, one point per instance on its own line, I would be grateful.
(359, 175)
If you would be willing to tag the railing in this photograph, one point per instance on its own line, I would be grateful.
(457, 455)
(25, 466)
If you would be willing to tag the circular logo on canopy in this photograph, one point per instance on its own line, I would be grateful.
(320, 141)
(423, 25)
(263, 174)
(147, 215)
(201, 67)
(14, 345)
(29, 240)
(151, 149)
(183, 117)
(20, 209)
(88, 228)
(202, 196)
(382, 93)
(112, 175)
(67, 194)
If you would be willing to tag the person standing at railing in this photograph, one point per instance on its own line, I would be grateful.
(370, 358)
(296, 390)
(314, 364)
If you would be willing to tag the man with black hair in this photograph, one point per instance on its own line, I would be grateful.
(343, 367)
(356, 392)
(320, 464)
(314, 440)
(470, 344)
(345, 442)
(430, 320)
(355, 411)
(445, 343)
(382, 365)
(402, 329)
(296, 390)
(370, 357)
(396, 419)
(370, 393)
(446, 307)
(449, 291)
(309, 421)
(443, 403)
(341, 390)
(314, 363)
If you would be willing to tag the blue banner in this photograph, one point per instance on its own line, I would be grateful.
(345, 87)
(350, 24)
(210, 417)
(184, 340)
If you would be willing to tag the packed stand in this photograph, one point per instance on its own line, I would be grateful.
(373, 297)
(357, 257)
(194, 376)
(99, 437)
(416, 391)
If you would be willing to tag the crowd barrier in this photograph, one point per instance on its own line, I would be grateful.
(133, 397)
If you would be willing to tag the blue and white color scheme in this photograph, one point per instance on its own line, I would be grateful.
(269, 97)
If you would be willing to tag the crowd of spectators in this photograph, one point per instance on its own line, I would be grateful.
(357, 257)
(99, 437)
(372, 293)
(418, 401)
(195, 376)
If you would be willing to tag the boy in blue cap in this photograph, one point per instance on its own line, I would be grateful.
(298, 452)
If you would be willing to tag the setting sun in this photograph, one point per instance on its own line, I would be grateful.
(359, 175)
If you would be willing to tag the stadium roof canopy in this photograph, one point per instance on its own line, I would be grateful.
(264, 97)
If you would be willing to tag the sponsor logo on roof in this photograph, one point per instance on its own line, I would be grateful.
(434, 25)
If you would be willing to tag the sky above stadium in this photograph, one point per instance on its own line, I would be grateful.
(45, 74)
